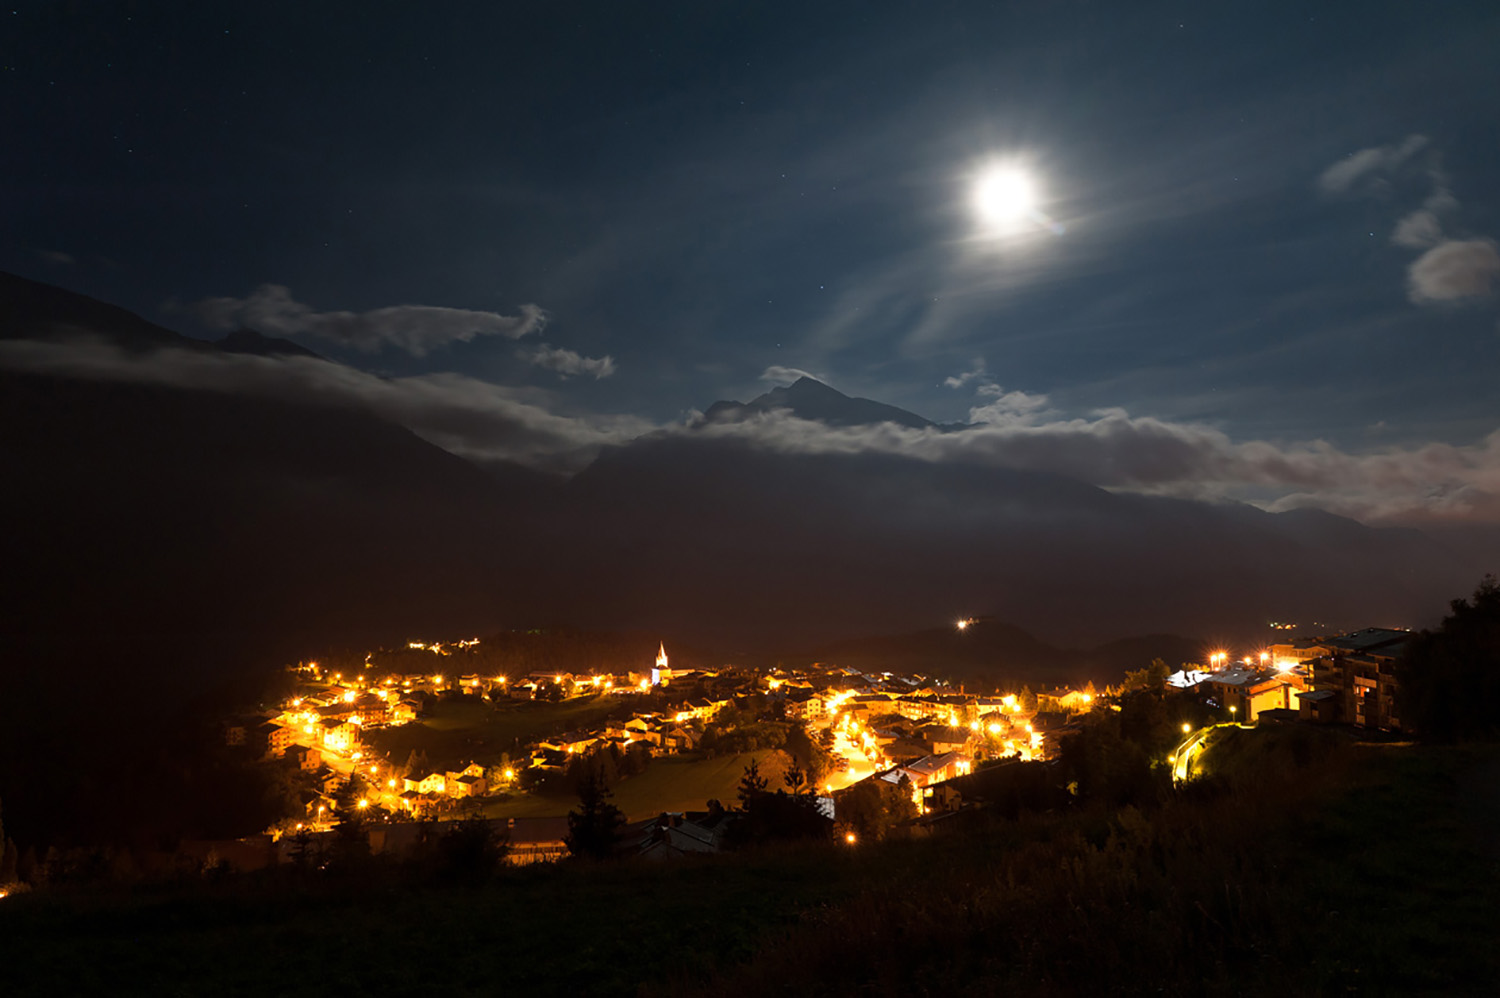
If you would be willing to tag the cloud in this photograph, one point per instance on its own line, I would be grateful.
(778, 375)
(1111, 449)
(461, 414)
(1115, 450)
(1418, 230)
(1454, 269)
(270, 309)
(57, 257)
(959, 380)
(569, 362)
(1368, 164)
(1007, 407)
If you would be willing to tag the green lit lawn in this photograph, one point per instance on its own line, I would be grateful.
(458, 731)
(671, 783)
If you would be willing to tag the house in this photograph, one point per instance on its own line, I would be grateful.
(939, 739)
(338, 736)
(804, 705)
(467, 785)
(679, 739)
(570, 742)
(1319, 705)
(937, 768)
(305, 757)
(536, 840)
(678, 834)
(271, 738)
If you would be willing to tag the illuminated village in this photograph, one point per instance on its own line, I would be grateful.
(898, 734)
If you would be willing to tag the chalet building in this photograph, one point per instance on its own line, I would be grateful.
(305, 756)
(679, 834)
(270, 739)
(939, 739)
(863, 705)
(804, 705)
(937, 768)
(466, 786)
(1359, 670)
(570, 742)
(338, 736)
(466, 782)
(1250, 691)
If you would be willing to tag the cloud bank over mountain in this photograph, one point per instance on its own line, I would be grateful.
(1112, 448)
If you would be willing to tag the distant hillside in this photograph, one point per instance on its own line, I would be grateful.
(718, 536)
(994, 653)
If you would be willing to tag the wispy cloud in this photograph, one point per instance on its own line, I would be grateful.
(778, 375)
(569, 362)
(272, 310)
(461, 414)
(1449, 269)
(1364, 170)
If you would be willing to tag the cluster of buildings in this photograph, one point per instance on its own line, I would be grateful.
(1337, 679)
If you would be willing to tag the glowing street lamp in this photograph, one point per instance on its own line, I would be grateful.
(1186, 727)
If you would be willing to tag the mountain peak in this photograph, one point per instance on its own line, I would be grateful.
(809, 398)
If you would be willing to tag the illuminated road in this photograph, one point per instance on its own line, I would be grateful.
(1189, 754)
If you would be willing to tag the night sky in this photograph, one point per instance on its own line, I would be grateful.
(1260, 260)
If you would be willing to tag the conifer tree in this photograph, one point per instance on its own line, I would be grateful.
(594, 826)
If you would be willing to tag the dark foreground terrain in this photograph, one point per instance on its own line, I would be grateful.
(1358, 869)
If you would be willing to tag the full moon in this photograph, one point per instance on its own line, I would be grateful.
(1004, 197)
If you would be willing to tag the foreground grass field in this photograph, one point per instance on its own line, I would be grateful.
(1363, 870)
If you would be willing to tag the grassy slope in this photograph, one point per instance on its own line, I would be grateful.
(672, 783)
(458, 731)
(1373, 871)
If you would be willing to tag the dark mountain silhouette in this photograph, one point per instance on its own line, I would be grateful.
(140, 511)
(251, 342)
(987, 650)
(811, 399)
(720, 536)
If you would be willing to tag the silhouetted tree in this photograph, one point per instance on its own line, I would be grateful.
(471, 849)
(594, 826)
(794, 778)
(1153, 677)
(752, 782)
(1448, 679)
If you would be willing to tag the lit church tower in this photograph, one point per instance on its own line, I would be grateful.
(661, 673)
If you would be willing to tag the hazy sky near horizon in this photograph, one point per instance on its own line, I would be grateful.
(1272, 222)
